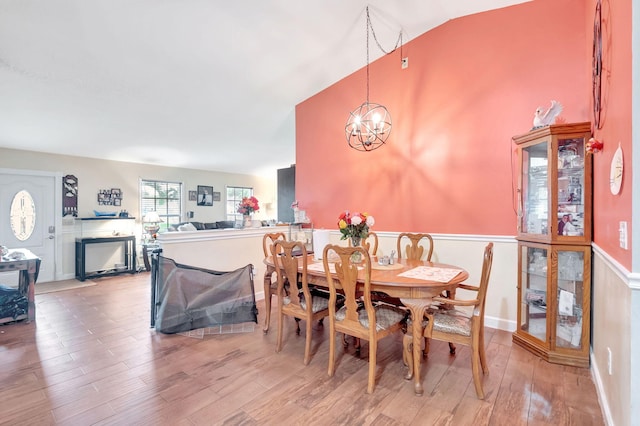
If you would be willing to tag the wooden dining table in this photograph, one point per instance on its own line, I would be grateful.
(414, 282)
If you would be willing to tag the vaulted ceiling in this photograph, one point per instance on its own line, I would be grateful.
(202, 84)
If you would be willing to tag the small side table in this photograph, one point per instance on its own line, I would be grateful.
(146, 249)
(29, 265)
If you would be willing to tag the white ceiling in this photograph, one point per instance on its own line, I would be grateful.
(204, 84)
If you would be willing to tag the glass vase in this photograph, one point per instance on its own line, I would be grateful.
(247, 222)
(357, 256)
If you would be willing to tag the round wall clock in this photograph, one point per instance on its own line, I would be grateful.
(615, 174)
(597, 66)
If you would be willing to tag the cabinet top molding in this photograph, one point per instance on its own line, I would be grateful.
(554, 129)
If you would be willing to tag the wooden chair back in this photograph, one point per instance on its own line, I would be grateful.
(343, 279)
(269, 239)
(287, 270)
(291, 260)
(345, 282)
(370, 243)
(269, 285)
(416, 247)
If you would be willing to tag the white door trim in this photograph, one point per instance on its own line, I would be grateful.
(57, 209)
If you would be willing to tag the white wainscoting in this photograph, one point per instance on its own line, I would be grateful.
(228, 249)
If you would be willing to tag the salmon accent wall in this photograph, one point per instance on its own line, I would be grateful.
(471, 85)
(610, 209)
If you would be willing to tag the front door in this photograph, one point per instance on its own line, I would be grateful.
(27, 216)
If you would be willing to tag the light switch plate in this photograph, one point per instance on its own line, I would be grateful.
(623, 235)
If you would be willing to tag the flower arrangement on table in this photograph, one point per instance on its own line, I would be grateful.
(355, 225)
(248, 205)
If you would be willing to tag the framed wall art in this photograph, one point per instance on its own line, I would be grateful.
(110, 197)
(205, 195)
(192, 195)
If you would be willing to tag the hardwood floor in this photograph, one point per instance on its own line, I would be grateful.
(91, 358)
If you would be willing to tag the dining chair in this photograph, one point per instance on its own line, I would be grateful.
(358, 317)
(270, 284)
(417, 246)
(370, 243)
(463, 324)
(414, 251)
(301, 304)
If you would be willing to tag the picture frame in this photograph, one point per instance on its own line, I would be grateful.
(205, 195)
(110, 197)
(192, 195)
(216, 196)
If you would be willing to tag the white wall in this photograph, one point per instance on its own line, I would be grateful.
(94, 175)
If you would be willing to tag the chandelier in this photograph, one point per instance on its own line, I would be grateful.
(369, 125)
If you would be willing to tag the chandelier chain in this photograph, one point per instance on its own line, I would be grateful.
(369, 25)
(368, 126)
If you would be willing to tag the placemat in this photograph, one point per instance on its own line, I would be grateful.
(430, 273)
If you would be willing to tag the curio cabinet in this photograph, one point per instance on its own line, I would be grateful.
(554, 243)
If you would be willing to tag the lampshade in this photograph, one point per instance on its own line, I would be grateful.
(151, 222)
(369, 126)
(151, 217)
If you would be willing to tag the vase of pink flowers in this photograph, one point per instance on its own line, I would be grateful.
(355, 226)
(247, 207)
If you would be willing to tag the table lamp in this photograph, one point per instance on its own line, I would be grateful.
(151, 224)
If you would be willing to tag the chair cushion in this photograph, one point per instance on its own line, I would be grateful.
(452, 321)
(317, 303)
(386, 316)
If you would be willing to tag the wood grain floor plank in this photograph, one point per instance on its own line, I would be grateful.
(91, 358)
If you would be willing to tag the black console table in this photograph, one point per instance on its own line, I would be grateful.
(129, 244)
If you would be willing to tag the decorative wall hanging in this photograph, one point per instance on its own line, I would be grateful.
(596, 67)
(192, 195)
(110, 197)
(216, 196)
(70, 195)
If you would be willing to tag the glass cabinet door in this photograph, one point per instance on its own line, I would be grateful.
(533, 309)
(571, 183)
(570, 292)
(535, 190)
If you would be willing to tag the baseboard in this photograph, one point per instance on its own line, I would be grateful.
(500, 323)
(602, 396)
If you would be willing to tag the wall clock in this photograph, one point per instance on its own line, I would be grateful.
(615, 174)
(597, 66)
